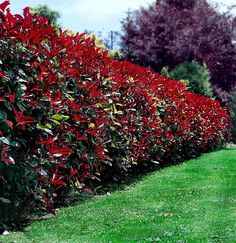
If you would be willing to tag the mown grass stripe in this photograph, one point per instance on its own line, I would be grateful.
(191, 202)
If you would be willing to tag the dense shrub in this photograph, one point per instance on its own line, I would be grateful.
(68, 113)
(196, 75)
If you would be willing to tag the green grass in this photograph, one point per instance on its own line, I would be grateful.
(191, 202)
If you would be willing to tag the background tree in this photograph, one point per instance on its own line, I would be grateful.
(45, 11)
(170, 32)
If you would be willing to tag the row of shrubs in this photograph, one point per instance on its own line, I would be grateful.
(69, 113)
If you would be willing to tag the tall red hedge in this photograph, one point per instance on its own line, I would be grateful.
(68, 113)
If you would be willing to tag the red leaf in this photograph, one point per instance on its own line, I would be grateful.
(12, 97)
(92, 132)
(9, 123)
(59, 152)
(73, 172)
(5, 157)
(22, 121)
(37, 89)
(26, 11)
(85, 189)
(82, 138)
(81, 35)
(58, 182)
(62, 165)
(43, 20)
(48, 141)
(4, 5)
(2, 74)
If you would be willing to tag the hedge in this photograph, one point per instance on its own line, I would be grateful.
(69, 113)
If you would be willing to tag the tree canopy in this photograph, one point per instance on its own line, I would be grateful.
(170, 32)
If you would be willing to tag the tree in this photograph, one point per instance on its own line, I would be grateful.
(170, 32)
(45, 11)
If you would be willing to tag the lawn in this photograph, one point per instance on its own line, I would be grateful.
(192, 202)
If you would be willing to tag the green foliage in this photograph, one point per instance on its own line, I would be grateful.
(116, 54)
(165, 71)
(45, 11)
(198, 77)
(17, 179)
(232, 107)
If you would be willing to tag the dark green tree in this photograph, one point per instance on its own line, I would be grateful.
(232, 107)
(197, 76)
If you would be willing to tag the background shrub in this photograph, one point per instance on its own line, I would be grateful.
(116, 54)
(232, 107)
(198, 77)
(69, 113)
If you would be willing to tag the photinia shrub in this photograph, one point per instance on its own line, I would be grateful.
(69, 113)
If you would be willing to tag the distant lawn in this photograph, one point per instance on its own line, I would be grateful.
(192, 202)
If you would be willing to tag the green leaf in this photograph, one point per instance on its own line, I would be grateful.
(39, 126)
(57, 117)
(49, 126)
(3, 114)
(4, 140)
(65, 117)
(5, 200)
(14, 144)
(55, 121)
(69, 97)
(44, 128)
(21, 106)
(117, 124)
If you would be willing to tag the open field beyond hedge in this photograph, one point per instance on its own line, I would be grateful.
(192, 202)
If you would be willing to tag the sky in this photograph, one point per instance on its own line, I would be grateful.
(92, 15)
